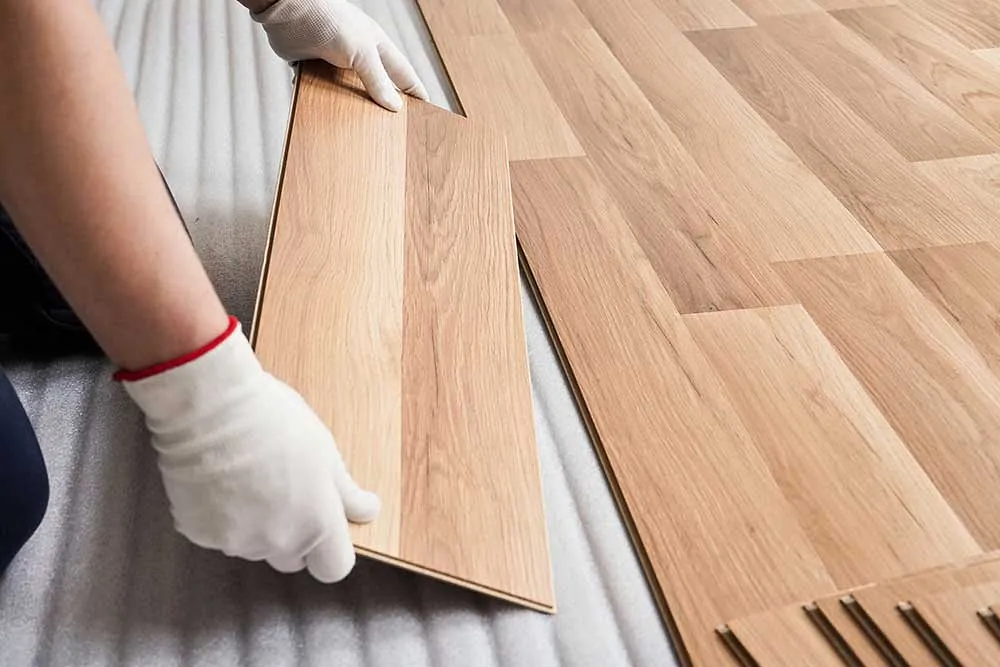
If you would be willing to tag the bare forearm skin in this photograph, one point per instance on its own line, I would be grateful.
(79, 180)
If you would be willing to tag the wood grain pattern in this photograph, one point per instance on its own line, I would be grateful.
(468, 426)
(704, 14)
(934, 388)
(448, 19)
(532, 16)
(498, 85)
(907, 115)
(670, 204)
(758, 9)
(975, 23)
(716, 533)
(898, 206)
(962, 282)
(785, 637)
(835, 612)
(785, 211)
(976, 178)
(834, 455)
(391, 303)
(343, 247)
(989, 55)
(952, 616)
(831, 5)
(946, 68)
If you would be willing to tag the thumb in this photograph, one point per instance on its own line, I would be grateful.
(376, 80)
(360, 506)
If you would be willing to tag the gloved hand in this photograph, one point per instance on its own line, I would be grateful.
(248, 467)
(344, 36)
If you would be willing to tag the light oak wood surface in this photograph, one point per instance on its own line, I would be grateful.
(952, 616)
(836, 613)
(990, 55)
(820, 171)
(670, 204)
(785, 637)
(391, 303)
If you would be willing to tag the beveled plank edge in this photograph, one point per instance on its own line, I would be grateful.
(266, 263)
(677, 642)
(832, 635)
(548, 608)
(859, 615)
(990, 620)
(928, 636)
(736, 647)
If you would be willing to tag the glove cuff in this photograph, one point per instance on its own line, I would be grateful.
(163, 367)
(296, 28)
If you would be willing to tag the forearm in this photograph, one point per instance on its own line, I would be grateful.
(79, 180)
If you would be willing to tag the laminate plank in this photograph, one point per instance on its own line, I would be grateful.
(907, 115)
(342, 247)
(391, 303)
(932, 385)
(704, 14)
(533, 16)
(944, 66)
(991, 56)
(952, 616)
(974, 23)
(785, 637)
(758, 9)
(785, 211)
(830, 5)
(498, 85)
(467, 424)
(716, 536)
(898, 206)
(838, 616)
(975, 178)
(964, 282)
(447, 19)
(832, 453)
(675, 213)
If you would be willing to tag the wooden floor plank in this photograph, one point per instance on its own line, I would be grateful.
(907, 115)
(785, 211)
(448, 19)
(975, 23)
(716, 534)
(785, 637)
(356, 228)
(898, 206)
(533, 15)
(704, 14)
(497, 84)
(758, 9)
(974, 178)
(934, 388)
(831, 5)
(944, 66)
(834, 455)
(952, 616)
(835, 612)
(467, 424)
(391, 303)
(964, 282)
(670, 204)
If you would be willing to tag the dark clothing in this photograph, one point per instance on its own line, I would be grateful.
(24, 484)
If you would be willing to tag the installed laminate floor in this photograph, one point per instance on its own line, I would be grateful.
(766, 234)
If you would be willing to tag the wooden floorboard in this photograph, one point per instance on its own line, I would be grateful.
(392, 304)
(785, 637)
(837, 614)
(952, 616)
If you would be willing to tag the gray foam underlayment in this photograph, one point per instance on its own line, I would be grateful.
(107, 581)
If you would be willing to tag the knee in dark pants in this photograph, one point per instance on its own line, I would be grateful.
(24, 482)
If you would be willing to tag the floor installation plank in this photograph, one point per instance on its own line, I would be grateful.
(496, 82)
(908, 116)
(898, 206)
(532, 15)
(952, 616)
(990, 55)
(785, 637)
(944, 66)
(704, 14)
(714, 529)
(785, 211)
(973, 178)
(670, 204)
(934, 388)
(975, 23)
(391, 302)
(836, 613)
(964, 282)
(758, 9)
(833, 454)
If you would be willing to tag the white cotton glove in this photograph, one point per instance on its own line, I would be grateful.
(248, 467)
(344, 36)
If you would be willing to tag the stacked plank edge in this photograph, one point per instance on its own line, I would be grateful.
(764, 234)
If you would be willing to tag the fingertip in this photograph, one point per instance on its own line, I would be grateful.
(332, 560)
(362, 506)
